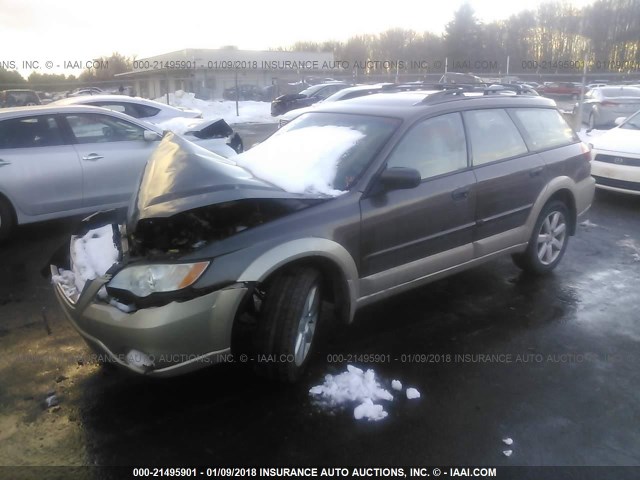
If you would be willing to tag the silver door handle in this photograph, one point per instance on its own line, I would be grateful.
(3, 163)
(92, 156)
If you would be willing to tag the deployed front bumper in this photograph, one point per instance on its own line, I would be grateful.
(159, 341)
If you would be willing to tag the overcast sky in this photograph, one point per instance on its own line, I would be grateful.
(78, 30)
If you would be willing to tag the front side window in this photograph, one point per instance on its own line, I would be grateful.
(433, 147)
(39, 131)
(96, 128)
(493, 136)
(545, 127)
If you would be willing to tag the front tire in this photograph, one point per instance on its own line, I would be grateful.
(592, 121)
(548, 241)
(7, 221)
(288, 326)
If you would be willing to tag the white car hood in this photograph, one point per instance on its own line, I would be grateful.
(620, 140)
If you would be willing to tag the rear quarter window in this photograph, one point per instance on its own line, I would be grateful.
(145, 111)
(544, 128)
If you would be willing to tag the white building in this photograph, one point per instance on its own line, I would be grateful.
(208, 72)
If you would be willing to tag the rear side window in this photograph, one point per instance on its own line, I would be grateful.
(493, 136)
(28, 132)
(145, 111)
(544, 127)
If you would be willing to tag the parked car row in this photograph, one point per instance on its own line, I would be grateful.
(349, 203)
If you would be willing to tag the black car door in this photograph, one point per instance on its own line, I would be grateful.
(404, 231)
(509, 177)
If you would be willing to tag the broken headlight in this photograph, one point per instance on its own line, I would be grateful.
(144, 280)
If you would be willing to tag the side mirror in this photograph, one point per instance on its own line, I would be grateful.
(150, 136)
(619, 120)
(399, 178)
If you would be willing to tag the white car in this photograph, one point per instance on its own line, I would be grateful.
(616, 157)
(135, 107)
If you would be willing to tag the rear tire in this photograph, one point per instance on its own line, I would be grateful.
(7, 221)
(592, 121)
(548, 241)
(288, 325)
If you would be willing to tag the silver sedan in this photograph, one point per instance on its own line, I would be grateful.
(603, 105)
(61, 161)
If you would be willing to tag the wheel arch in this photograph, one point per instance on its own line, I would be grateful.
(560, 188)
(566, 196)
(338, 269)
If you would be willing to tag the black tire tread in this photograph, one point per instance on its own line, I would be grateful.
(278, 323)
(7, 221)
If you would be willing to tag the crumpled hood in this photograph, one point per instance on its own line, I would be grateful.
(181, 176)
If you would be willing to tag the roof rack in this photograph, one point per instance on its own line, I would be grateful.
(513, 87)
(452, 93)
(458, 91)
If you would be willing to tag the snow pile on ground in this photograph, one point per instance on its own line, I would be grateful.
(357, 387)
(249, 111)
(91, 255)
(631, 244)
(303, 161)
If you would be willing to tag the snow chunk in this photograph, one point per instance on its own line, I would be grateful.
(67, 280)
(302, 161)
(139, 359)
(180, 125)
(412, 393)
(51, 401)
(507, 441)
(507, 453)
(368, 410)
(588, 223)
(93, 254)
(354, 385)
(396, 385)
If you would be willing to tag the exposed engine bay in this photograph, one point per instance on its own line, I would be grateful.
(193, 228)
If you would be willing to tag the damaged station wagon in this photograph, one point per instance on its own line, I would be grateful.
(348, 204)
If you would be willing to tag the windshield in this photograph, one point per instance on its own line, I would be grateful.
(632, 123)
(319, 152)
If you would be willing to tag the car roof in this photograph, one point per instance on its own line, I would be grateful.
(414, 103)
(106, 98)
(50, 109)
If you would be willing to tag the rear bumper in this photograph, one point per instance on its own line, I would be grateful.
(161, 341)
(583, 194)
